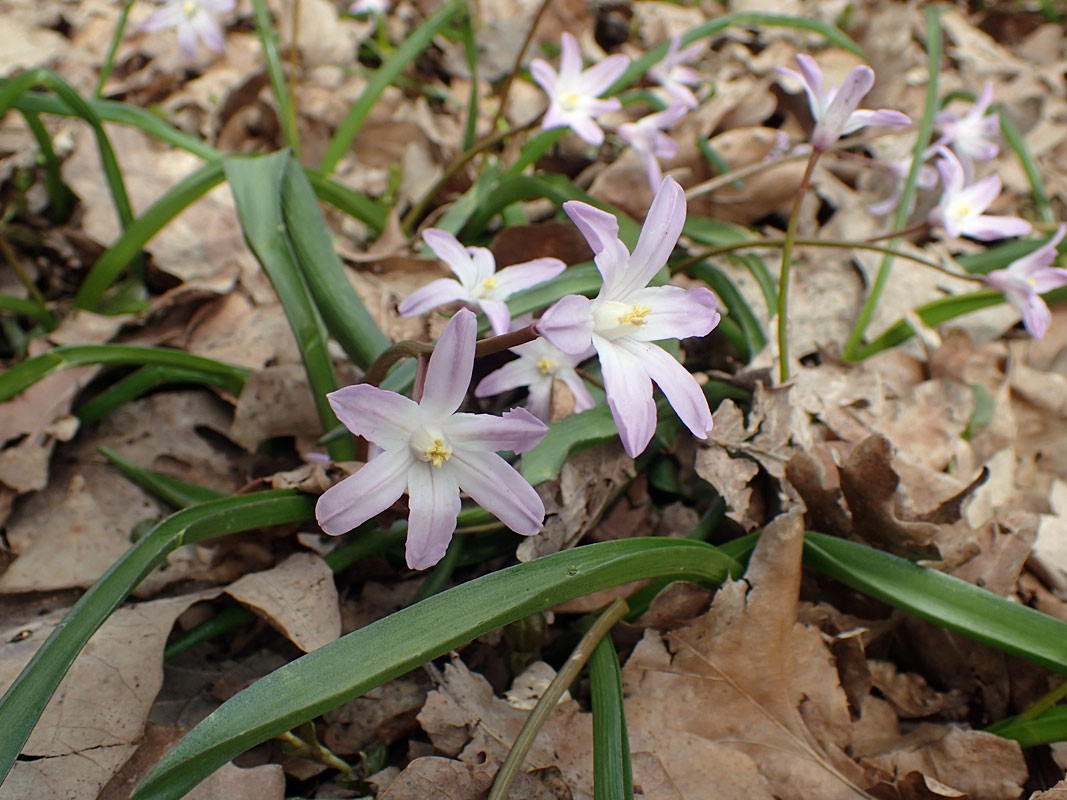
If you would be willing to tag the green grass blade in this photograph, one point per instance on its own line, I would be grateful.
(343, 312)
(145, 380)
(128, 246)
(27, 308)
(25, 700)
(59, 194)
(612, 771)
(112, 48)
(256, 183)
(1017, 143)
(735, 303)
(21, 376)
(342, 139)
(268, 40)
(943, 600)
(911, 182)
(119, 113)
(748, 19)
(350, 202)
(173, 491)
(385, 649)
(1047, 727)
(539, 144)
(470, 52)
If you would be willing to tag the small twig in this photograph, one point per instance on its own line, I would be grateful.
(787, 264)
(506, 89)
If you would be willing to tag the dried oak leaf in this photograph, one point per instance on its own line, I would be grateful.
(749, 679)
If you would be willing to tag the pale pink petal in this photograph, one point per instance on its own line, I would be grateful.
(517, 430)
(604, 73)
(980, 196)
(447, 248)
(166, 17)
(568, 324)
(433, 497)
(1036, 315)
(583, 400)
(495, 485)
(544, 74)
(831, 124)
(652, 170)
(659, 235)
(882, 116)
(599, 228)
(555, 118)
(570, 57)
(986, 228)
(513, 375)
(629, 392)
(674, 380)
(810, 77)
(951, 171)
(385, 418)
(682, 94)
(675, 313)
(375, 487)
(481, 258)
(522, 276)
(498, 314)
(188, 43)
(448, 375)
(539, 399)
(1048, 279)
(434, 294)
(208, 30)
(586, 129)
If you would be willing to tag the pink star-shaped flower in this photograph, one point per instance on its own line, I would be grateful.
(195, 21)
(1027, 278)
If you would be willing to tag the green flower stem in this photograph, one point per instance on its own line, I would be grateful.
(933, 52)
(27, 282)
(787, 263)
(409, 348)
(116, 39)
(59, 194)
(840, 244)
(547, 703)
(1037, 708)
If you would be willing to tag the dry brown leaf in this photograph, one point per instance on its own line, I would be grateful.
(435, 777)
(298, 597)
(725, 681)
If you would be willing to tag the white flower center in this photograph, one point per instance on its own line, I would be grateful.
(430, 445)
(546, 365)
(190, 7)
(612, 319)
(959, 209)
(570, 101)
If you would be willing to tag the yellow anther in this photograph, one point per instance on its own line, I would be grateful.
(546, 365)
(438, 453)
(635, 316)
(489, 283)
(190, 7)
(570, 101)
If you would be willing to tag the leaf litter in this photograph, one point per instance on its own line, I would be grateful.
(868, 703)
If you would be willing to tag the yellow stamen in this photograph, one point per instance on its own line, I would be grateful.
(438, 453)
(546, 365)
(570, 101)
(190, 7)
(489, 283)
(635, 316)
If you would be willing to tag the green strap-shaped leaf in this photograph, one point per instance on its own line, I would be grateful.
(385, 649)
(612, 769)
(22, 376)
(343, 312)
(25, 700)
(256, 183)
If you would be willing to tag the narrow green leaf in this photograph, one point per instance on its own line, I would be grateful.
(176, 492)
(59, 194)
(1047, 727)
(268, 41)
(349, 201)
(735, 303)
(25, 700)
(128, 246)
(383, 650)
(256, 183)
(24, 375)
(145, 380)
(346, 132)
(470, 51)
(343, 312)
(27, 308)
(532, 149)
(612, 771)
(1030, 166)
(943, 600)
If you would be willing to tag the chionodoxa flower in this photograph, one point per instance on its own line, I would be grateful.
(432, 452)
(195, 21)
(1027, 278)
(625, 319)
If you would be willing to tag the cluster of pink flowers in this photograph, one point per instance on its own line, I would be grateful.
(430, 450)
